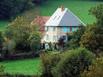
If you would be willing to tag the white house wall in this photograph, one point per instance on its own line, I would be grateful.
(58, 22)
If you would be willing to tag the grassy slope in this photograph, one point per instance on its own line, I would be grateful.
(27, 67)
(79, 8)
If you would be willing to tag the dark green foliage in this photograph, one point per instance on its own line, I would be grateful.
(73, 63)
(39, 2)
(21, 31)
(93, 36)
(92, 39)
(1, 42)
(95, 70)
(75, 38)
(35, 41)
(98, 13)
(48, 62)
(10, 8)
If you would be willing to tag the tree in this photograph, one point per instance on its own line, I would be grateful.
(73, 62)
(20, 30)
(74, 41)
(93, 35)
(49, 61)
(97, 12)
(10, 8)
(35, 41)
(95, 70)
(91, 39)
(39, 2)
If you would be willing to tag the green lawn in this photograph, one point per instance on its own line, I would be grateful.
(26, 67)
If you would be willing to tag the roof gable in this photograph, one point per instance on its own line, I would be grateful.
(63, 18)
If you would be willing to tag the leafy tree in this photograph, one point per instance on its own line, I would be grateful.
(49, 61)
(93, 36)
(92, 39)
(74, 41)
(97, 12)
(95, 70)
(73, 63)
(39, 2)
(35, 41)
(10, 8)
(20, 30)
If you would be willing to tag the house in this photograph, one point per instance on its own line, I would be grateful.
(40, 21)
(63, 21)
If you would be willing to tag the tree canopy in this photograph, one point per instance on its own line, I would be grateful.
(23, 33)
(10, 8)
(93, 36)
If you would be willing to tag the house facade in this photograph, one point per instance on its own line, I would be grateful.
(63, 21)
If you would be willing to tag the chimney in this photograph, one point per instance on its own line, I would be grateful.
(62, 8)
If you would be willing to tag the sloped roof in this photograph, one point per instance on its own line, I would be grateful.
(40, 21)
(63, 18)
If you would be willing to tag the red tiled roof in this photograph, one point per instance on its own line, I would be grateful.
(40, 20)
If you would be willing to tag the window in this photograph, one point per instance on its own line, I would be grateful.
(68, 29)
(64, 29)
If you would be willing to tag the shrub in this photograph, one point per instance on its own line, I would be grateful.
(92, 37)
(35, 41)
(95, 70)
(73, 63)
(74, 39)
(48, 62)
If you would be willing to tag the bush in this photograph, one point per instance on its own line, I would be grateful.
(48, 62)
(73, 63)
(95, 70)
(92, 37)
(74, 39)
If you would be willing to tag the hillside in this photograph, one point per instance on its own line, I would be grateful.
(79, 8)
